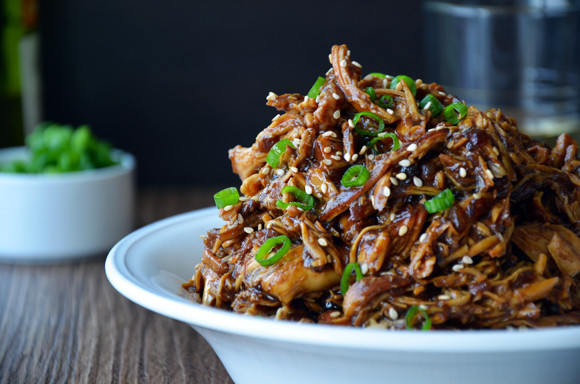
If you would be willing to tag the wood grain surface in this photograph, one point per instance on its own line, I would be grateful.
(64, 323)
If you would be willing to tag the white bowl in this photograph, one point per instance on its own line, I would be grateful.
(50, 218)
(149, 266)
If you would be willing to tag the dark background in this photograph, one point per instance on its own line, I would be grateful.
(179, 82)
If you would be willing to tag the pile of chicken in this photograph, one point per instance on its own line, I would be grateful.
(505, 254)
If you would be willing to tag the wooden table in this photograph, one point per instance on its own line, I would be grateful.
(65, 323)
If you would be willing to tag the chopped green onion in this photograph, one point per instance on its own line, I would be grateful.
(378, 74)
(410, 82)
(315, 90)
(371, 93)
(441, 202)
(225, 197)
(264, 251)
(385, 101)
(455, 112)
(355, 176)
(275, 153)
(306, 202)
(434, 104)
(410, 318)
(345, 280)
(375, 117)
(396, 143)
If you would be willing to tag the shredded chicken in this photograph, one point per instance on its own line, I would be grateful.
(505, 253)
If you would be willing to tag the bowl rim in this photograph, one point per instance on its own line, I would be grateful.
(127, 163)
(178, 307)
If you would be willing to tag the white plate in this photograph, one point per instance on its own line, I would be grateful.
(149, 266)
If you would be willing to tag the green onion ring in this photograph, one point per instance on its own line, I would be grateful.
(441, 202)
(225, 197)
(396, 143)
(455, 112)
(275, 153)
(345, 280)
(412, 313)
(355, 176)
(385, 101)
(315, 90)
(375, 117)
(378, 74)
(267, 247)
(371, 92)
(306, 201)
(434, 104)
(410, 82)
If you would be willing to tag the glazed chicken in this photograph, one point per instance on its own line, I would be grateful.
(435, 205)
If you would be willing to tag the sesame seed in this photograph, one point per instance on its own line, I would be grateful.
(260, 227)
(364, 268)
(294, 169)
(423, 306)
(327, 161)
(489, 173)
(271, 96)
(457, 267)
(338, 153)
(371, 157)
(256, 198)
(423, 237)
(330, 57)
(386, 191)
(343, 63)
(335, 95)
(308, 190)
(306, 98)
(327, 150)
(426, 107)
(275, 117)
(317, 99)
(392, 216)
(385, 83)
(394, 181)
(383, 134)
(228, 208)
(442, 93)
(462, 172)
(368, 77)
(265, 170)
(477, 195)
(245, 198)
(334, 314)
(404, 163)
(354, 157)
(467, 260)
(248, 229)
(373, 201)
(296, 142)
(329, 133)
(347, 156)
(495, 150)
(393, 314)
(240, 218)
(403, 230)
(390, 111)
(417, 181)
(322, 242)
(348, 53)
(336, 114)
(280, 172)
(356, 64)
(362, 150)
(401, 176)
(334, 157)
(323, 188)
(350, 123)
(269, 224)
(412, 147)
(444, 297)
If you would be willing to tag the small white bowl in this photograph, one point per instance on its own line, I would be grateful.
(52, 218)
(149, 266)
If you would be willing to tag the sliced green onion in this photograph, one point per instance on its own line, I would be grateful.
(385, 101)
(275, 153)
(396, 143)
(264, 251)
(345, 280)
(434, 104)
(306, 202)
(455, 112)
(355, 176)
(315, 90)
(375, 117)
(371, 93)
(378, 74)
(410, 318)
(441, 202)
(225, 197)
(410, 82)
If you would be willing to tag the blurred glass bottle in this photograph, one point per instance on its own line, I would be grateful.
(20, 107)
(522, 56)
